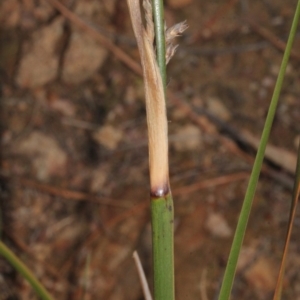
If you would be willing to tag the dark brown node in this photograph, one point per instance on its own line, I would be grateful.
(161, 191)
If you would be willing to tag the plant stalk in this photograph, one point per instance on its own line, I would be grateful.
(154, 74)
(162, 208)
(24, 271)
(246, 207)
(162, 214)
(159, 26)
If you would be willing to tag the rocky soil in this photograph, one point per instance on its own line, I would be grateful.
(74, 170)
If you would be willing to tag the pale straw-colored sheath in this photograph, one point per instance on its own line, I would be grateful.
(155, 103)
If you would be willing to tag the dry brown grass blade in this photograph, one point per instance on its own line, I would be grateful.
(143, 280)
(296, 192)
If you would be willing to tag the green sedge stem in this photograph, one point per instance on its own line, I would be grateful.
(159, 23)
(162, 210)
(163, 258)
(245, 211)
(24, 271)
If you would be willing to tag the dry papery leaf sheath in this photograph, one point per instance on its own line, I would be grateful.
(154, 92)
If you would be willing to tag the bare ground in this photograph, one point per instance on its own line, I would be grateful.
(74, 174)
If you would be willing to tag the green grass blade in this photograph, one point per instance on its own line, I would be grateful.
(245, 211)
(24, 271)
(163, 258)
(159, 25)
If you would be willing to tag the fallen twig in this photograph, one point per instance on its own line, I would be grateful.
(211, 182)
(270, 37)
(120, 54)
(69, 194)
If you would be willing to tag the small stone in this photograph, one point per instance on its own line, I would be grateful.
(290, 99)
(268, 82)
(262, 276)
(178, 114)
(63, 106)
(274, 70)
(187, 138)
(39, 64)
(246, 257)
(83, 58)
(85, 55)
(130, 95)
(218, 108)
(99, 178)
(277, 21)
(108, 136)
(218, 226)
(47, 156)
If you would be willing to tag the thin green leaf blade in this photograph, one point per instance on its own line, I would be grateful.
(247, 204)
(24, 271)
